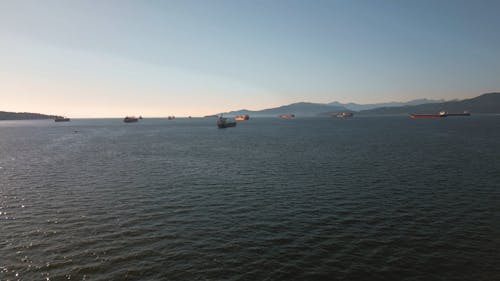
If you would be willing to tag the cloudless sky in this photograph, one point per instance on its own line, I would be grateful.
(158, 58)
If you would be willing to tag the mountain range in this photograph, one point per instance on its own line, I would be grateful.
(485, 103)
(359, 107)
(304, 109)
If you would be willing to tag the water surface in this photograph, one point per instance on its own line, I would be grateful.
(379, 198)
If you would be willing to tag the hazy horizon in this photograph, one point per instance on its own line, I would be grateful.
(218, 112)
(156, 58)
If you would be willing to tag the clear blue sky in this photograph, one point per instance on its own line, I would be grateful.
(158, 58)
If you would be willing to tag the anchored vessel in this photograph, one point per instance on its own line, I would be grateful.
(439, 115)
(465, 113)
(343, 114)
(287, 116)
(224, 123)
(61, 119)
(130, 119)
(241, 117)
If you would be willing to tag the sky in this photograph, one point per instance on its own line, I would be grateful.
(192, 58)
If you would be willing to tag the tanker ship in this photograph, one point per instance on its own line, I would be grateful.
(465, 113)
(439, 115)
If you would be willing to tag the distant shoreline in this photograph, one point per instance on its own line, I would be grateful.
(488, 103)
(358, 116)
(4, 115)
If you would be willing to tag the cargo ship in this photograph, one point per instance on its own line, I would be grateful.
(343, 114)
(287, 116)
(465, 113)
(241, 117)
(438, 115)
(222, 122)
(130, 119)
(61, 119)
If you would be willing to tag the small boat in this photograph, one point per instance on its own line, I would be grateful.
(287, 116)
(438, 115)
(343, 114)
(241, 117)
(61, 119)
(130, 119)
(225, 123)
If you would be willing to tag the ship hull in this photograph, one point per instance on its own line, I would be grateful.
(130, 120)
(226, 125)
(427, 116)
(343, 115)
(458, 114)
(241, 117)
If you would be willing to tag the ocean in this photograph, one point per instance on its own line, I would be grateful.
(363, 198)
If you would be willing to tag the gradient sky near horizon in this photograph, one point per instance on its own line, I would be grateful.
(159, 58)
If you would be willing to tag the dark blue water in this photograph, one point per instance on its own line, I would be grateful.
(382, 198)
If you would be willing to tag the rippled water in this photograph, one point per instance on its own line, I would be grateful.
(383, 198)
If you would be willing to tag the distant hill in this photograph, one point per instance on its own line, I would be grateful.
(359, 107)
(4, 115)
(486, 103)
(307, 109)
(300, 109)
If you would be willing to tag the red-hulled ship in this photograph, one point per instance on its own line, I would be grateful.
(287, 116)
(241, 117)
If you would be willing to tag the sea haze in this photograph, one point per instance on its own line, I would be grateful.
(381, 198)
